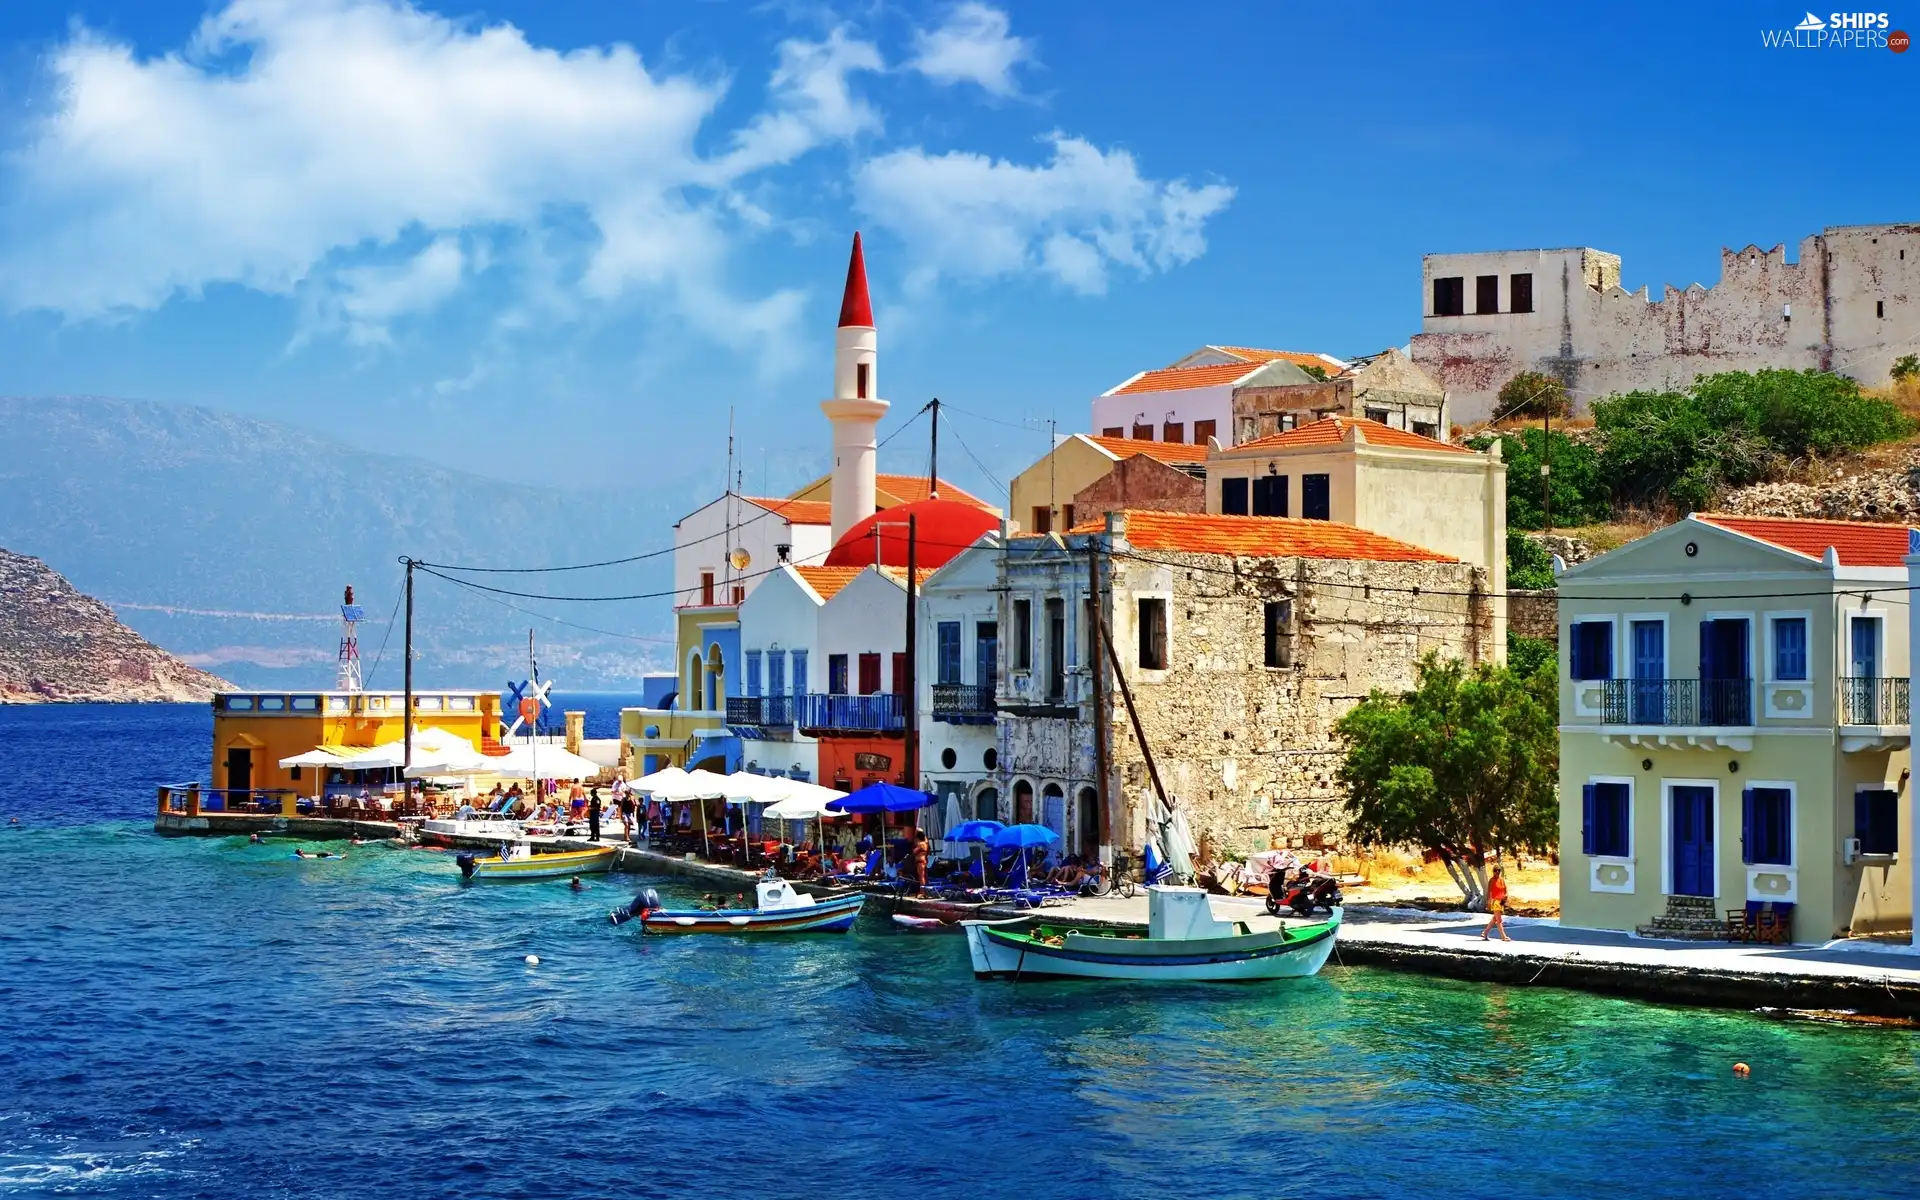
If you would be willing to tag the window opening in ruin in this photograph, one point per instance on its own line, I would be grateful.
(1376, 414)
(1449, 296)
(1118, 431)
(1520, 293)
(860, 380)
(1233, 497)
(1316, 497)
(1279, 633)
(1289, 421)
(1202, 430)
(1153, 634)
(1486, 293)
(1173, 431)
(1022, 635)
(1248, 428)
(1880, 309)
(1042, 519)
(1056, 649)
(1427, 430)
(1143, 433)
(1066, 513)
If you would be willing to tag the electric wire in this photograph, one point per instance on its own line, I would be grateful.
(398, 595)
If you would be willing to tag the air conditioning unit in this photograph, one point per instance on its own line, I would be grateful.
(1850, 851)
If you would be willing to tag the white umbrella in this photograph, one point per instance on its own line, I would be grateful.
(952, 849)
(806, 802)
(665, 779)
(430, 742)
(542, 762)
(319, 756)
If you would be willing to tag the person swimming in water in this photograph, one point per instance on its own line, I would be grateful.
(298, 853)
(576, 885)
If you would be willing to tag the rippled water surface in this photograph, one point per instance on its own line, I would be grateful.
(211, 1018)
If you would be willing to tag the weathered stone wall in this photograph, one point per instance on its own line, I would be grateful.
(1248, 749)
(1534, 613)
(1849, 303)
(1143, 483)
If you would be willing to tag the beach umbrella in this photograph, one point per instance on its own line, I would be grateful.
(806, 802)
(883, 798)
(664, 779)
(1023, 838)
(979, 833)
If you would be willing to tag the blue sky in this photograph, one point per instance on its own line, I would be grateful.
(558, 240)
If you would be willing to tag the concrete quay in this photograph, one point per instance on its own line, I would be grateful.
(1867, 978)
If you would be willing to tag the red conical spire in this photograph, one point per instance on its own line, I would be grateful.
(855, 308)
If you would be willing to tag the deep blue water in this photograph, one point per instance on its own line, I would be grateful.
(209, 1018)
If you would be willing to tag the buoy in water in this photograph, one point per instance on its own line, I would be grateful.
(533, 960)
(1742, 1070)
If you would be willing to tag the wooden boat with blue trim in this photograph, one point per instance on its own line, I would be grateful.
(778, 909)
(1183, 942)
(517, 861)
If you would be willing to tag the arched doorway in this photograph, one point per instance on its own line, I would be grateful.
(696, 688)
(986, 804)
(1053, 811)
(1087, 814)
(1022, 802)
(716, 678)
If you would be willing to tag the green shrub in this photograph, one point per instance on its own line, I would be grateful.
(1533, 394)
(1529, 656)
(1528, 563)
(1580, 493)
(1805, 412)
(1906, 366)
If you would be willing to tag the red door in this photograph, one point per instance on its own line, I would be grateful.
(899, 674)
(869, 674)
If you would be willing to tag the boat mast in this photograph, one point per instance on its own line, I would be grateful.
(533, 734)
(406, 762)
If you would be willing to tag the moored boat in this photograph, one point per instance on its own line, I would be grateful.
(1183, 941)
(778, 909)
(519, 862)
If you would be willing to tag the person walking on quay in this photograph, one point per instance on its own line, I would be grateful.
(1497, 904)
(593, 817)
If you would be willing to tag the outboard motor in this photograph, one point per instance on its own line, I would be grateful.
(646, 902)
(466, 862)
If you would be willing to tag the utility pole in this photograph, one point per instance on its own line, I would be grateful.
(912, 699)
(1546, 465)
(1096, 638)
(407, 702)
(933, 460)
(1126, 694)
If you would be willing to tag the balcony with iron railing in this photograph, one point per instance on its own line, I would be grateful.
(765, 711)
(1694, 703)
(963, 703)
(880, 712)
(1873, 700)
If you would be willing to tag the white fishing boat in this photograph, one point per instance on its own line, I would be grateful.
(1183, 941)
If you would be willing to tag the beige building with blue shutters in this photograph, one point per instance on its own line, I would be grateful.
(1734, 730)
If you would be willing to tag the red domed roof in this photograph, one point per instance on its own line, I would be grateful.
(942, 529)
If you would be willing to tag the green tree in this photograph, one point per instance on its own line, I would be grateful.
(1529, 565)
(1906, 366)
(1463, 766)
(1581, 495)
(1529, 656)
(1533, 394)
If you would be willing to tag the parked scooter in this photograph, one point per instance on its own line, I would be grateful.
(1304, 894)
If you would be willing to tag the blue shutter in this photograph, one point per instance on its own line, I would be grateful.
(1587, 818)
(799, 672)
(1749, 826)
(753, 672)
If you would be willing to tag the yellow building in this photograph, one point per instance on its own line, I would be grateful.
(1041, 498)
(253, 731)
(1734, 729)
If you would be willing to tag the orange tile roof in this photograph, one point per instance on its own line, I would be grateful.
(1166, 452)
(1174, 379)
(1268, 537)
(1332, 430)
(1298, 358)
(827, 581)
(909, 488)
(797, 512)
(1858, 543)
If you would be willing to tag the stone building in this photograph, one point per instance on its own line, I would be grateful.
(1242, 639)
(1849, 303)
(1386, 387)
(1045, 496)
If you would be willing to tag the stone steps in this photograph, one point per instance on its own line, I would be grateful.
(1687, 919)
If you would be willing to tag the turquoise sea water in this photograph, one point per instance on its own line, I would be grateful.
(209, 1018)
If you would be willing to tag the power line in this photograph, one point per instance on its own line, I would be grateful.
(632, 637)
(614, 562)
(381, 653)
(991, 477)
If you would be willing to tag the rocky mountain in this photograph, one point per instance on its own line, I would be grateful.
(228, 540)
(57, 644)
(1890, 493)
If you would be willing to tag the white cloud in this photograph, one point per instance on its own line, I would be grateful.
(967, 215)
(976, 45)
(302, 146)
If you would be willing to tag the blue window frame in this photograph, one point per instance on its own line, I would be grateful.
(1790, 648)
(1590, 649)
(1876, 820)
(837, 674)
(1766, 826)
(1606, 825)
(1316, 497)
(753, 672)
(949, 658)
(799, 672)
(776, 673)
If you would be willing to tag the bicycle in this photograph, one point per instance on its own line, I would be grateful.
(1117, 878)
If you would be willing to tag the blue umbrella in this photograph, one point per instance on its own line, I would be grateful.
(882, 798)
(1023, 836)
(975, 831)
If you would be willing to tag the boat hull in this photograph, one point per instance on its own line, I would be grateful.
(543, 866)
(890, 903)
(825, 916)
(1281, 954)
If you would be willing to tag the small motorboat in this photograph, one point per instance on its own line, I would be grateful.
(518, 861)
(778, 909)
(1183, 941)
(921, 924)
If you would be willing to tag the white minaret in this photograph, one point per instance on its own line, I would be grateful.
(855, 408)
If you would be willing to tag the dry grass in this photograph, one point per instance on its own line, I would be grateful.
(1614, 534)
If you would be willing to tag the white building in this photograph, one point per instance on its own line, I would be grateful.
(959, 649)
(724, 549)
(1192, 400)
(1849, 303)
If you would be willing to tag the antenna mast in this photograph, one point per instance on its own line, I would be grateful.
(351, 615)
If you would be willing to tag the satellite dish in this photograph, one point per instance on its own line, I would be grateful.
(739, 557)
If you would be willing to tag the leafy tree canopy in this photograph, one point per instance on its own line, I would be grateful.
(1581, 495)
(1534, 394)
(1529, 565)
(1463, 766)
